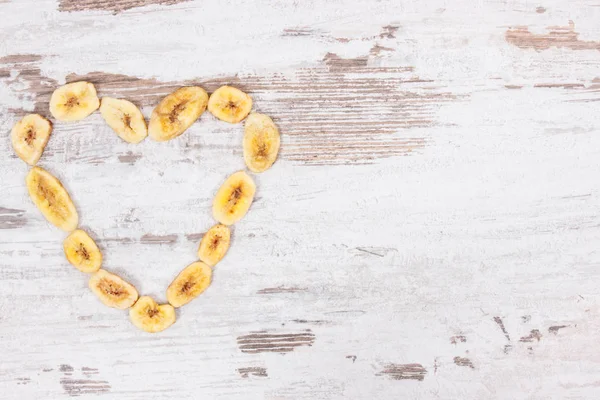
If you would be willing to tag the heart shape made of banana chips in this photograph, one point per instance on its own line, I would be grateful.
(170, 118)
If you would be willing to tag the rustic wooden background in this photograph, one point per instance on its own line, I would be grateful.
(430, 230)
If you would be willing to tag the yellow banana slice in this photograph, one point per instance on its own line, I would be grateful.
(229, 104)
(214, 245)
(112, 290)
(29, 137)
(51, 198)
(261, 142)
(124, 118)
(81, 251)
(177, 112)
(233, 199)
(151, 317)
(189, 284)
(74, 101)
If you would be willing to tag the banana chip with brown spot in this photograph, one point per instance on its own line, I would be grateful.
(124, 118)
(74, 101)
(82, 252)
(229, 104)
(233, 199)
(51, 198)
(29, 137)
(189, 284)
(112, 290)
(177, 112)
(261, 142)
(214, 244)
(150, 316)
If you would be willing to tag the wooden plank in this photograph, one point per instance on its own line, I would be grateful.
(428, 231)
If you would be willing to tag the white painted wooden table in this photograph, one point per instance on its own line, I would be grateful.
(430, 230)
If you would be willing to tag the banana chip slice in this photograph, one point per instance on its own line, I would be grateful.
(82, 252)
(229, 104)
(112, 290)
(124, 118)
(51, 198)
(214, 244)
(151, 317)
(233, 199)
(189, 284)
(177, 112)
(29, 137)
(74, 101)
(261, 142)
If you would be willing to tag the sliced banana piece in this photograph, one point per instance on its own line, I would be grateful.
(112, 290)
(74, 101)
(229, 104)
(29, 137)
(233, 199)
(177, 112)
(214, 244)
(51, 198)
(82, 252)
(124, 118)
(151, 317)
(189, 284)
(261, 142)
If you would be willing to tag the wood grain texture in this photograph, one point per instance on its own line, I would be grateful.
(110, 5)
(326, 110)
(557, 36)
(429, 230)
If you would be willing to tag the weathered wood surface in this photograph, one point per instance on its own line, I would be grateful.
(431, 228)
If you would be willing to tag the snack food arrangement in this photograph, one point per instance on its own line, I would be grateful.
(170, 118)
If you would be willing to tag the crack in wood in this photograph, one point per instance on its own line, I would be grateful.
(555, 328)
(130, 157)
(123, 240)
(463, 362)
(298, 31)
(281, 289)
(533, 335)
(195, 237)
(377, 49)
(263, 341)
(158, 239)
(389, 32)
(559, 85)
(364, 250)
(404, 372)
(252, 371)
(458, 339)
(311, 322)
(498, 320)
